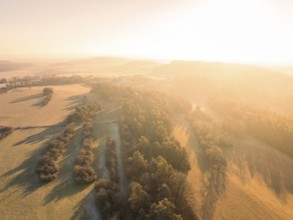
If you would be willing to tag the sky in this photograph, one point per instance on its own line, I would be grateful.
(244, 31)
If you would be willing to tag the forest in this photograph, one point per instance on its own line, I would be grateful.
(156, 164)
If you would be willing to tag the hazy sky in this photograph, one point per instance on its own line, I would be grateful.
(222, 30)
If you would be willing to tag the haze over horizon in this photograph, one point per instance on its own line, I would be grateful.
(251, 31)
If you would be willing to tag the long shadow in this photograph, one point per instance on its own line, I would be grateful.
(273, 167)
(201, 158)
(87, 208)
(47, 133)
(75, 101)
(79, 212)
(28, 98)
(27, 179)
(214, 184)
(39, 104)
(67, 187)
(213, 188)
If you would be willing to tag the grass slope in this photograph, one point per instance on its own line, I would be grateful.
(249, 195)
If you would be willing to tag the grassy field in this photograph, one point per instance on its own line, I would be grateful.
(250, 194)
(23, 106)
(22, 196)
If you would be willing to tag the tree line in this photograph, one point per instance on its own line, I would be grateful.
(83, 171)
(267, 126)
(212, 139)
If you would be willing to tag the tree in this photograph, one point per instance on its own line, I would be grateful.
(3, 80)
(145, 147)
(161, 170)
(136, 164)
(139, 199)
(164, 209)
(47, 91)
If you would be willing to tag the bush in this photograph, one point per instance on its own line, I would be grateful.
(47, 168)
(109, 199)
(84, 174)
(48, 91)
(83, 171)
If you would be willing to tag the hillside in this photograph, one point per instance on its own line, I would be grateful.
(192, 143)
(203, 81)
(259, 179)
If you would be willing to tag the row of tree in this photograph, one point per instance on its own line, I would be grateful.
(109, 199)
(212, 138)
(83, 171)
(47, 167)
(29, 81)
(85, 113)
(267, 126)
(108, 195)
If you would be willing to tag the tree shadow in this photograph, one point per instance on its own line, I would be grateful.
(67, 187)
(255, 158)
(28, 179)
(47, 133)
(27, 98)
(213, 187)
(79, 212)
(87, 208)
(201, 158)
(75, 101)
(39, 104)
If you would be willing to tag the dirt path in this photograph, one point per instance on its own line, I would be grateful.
(121, 169)
(91, 208)
(102, 168)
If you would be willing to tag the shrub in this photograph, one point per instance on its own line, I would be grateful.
(83, 171)
(109, 199)
(47, 168)
(48, 91)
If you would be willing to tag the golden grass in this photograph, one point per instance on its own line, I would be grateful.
(251, 199)
(22, 107)
(22, 196)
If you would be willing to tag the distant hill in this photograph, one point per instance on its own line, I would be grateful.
(9, 66)
(235, 82)
(107, 65)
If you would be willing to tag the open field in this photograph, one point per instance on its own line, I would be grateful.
(22, 107)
